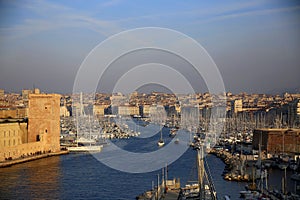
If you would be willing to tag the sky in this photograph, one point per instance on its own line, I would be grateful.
(255, 44)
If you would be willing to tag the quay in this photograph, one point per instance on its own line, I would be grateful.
(235, 169)
(9, 163)
(167, 190)
(152, 195)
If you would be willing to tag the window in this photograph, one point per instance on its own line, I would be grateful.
(38, 138)
(4, 142)
(46, 131)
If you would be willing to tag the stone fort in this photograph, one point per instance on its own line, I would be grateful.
(37, 134)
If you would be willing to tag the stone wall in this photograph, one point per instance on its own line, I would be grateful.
(277, 141)
(14, 113)
(41, 134)
(23, 150)
(44, 119)
(12, 134)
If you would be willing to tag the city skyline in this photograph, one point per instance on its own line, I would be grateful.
(254, 44)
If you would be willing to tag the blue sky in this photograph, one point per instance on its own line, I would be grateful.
(255, 44)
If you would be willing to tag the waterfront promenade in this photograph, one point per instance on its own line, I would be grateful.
(9, 163)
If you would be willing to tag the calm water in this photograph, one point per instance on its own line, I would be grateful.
(81, 176)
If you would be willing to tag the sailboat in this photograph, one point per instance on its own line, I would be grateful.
(173, 132)
(161, 142)
(84, 144)
(204, 188)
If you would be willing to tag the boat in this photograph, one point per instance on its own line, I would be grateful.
(282, 165)
(160, 142)
(84, 144)
(267, 164)
(85, 141)
(293, 165)
(295, 177)
(96, 148)
(204, 188)
(245, 193)
(173, 132)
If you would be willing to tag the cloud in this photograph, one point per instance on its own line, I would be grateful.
(202, 12)
(110, 3)
(226, 16)
(46, 16)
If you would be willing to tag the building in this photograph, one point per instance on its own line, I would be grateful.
(126, 110)
(277, 141)
(99, 110)
(13, 113)
(64, 112)
(1, 93)
(237, 106)
(36, 91)
(38, 134)
(145, 110)
(294, 113)
(25, 94)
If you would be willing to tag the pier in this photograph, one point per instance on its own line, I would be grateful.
(167, 190)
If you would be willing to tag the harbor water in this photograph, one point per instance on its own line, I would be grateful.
(81, 176)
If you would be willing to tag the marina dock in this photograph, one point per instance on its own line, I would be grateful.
(171, 195)
(168, 190)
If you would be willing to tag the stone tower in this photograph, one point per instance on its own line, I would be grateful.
(44, 120)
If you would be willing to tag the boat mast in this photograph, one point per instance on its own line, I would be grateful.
(157, 187)
(81, 104)
(90, 130)
(200, 168)
(161, 134)
(77, 127)
(166, 175)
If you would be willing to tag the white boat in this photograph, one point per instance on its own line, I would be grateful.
(84, 141)
(173, 132)
(97, 148)
(160, 141)
(84, 144)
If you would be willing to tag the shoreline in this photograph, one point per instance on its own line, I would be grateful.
(31, 158)
(233, 167)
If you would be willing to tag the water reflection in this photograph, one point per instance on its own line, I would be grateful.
(38, 179)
